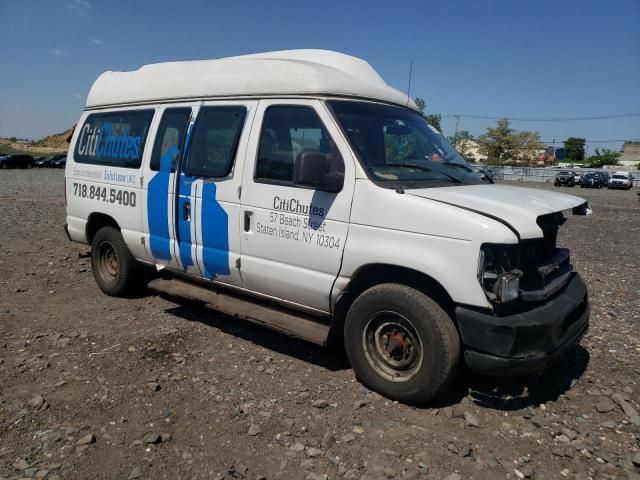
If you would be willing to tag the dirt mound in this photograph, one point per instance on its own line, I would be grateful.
(57, 140)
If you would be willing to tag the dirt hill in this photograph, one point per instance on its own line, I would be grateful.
(57, 140)
(52, 144)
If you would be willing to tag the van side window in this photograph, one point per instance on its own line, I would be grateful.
(288, 131)
(214, 141)
(114, 139)
(169, 139)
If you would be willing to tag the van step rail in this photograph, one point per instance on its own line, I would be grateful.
(292, 324)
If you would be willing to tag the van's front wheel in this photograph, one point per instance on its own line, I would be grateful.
(401, 343)
(114, 268)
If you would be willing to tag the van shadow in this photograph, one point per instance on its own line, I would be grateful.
(517, 393)
(497, 393)
(332, 359)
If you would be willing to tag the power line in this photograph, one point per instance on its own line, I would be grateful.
(601, 141)
(551, 119)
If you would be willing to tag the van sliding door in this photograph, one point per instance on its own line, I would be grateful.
(159, 182)
(208, 192)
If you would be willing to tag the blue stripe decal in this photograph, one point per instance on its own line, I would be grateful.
(158, 207)
(215, 234)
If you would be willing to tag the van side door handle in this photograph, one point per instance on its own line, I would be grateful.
(186, 211)
(247, 220)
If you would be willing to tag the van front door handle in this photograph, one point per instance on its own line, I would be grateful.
(186, 211)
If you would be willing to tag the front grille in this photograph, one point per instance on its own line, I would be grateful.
(541, 261)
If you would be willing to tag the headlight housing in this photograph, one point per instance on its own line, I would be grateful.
(507, 286)
(498, 272)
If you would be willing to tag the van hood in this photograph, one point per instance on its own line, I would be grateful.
(518, 207)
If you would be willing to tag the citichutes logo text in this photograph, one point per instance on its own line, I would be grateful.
(295, 206)
(106, 141)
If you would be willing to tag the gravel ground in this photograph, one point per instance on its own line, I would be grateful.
(98, 387)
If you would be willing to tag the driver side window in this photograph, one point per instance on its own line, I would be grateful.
(287, 132)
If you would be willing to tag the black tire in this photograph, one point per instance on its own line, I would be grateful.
(115, 270)
(428, 340)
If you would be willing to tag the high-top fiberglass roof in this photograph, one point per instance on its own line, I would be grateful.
(288, 72)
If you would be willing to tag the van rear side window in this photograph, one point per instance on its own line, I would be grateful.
(214, 141)
(114, 139)
(169, 139)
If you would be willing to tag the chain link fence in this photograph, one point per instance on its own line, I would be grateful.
(536, 174)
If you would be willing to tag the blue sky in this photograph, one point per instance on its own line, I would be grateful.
(542, 59)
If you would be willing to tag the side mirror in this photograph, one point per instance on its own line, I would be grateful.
(320, 171)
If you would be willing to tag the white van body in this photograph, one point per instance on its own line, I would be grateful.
(205, 169)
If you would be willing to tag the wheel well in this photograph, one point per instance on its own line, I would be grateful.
(375, 274)
(96, 222)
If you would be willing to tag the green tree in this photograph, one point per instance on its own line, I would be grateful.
(503, 144)
(529, 145)
(461, 141)
(459, 137)
(499, 144)
(575, 148)
(432, 118)
(603, 157)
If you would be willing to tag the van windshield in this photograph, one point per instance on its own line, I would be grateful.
(398, 147)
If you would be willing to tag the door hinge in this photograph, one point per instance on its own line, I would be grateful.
(239, 191)
(141, 179)
(141, 240)
(238, 263)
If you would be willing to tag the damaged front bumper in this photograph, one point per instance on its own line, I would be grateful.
(529, 341)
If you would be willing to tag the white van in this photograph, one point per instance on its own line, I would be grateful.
(298, 190)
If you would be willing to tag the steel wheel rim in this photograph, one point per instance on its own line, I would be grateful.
(392, 346)
(108, 263)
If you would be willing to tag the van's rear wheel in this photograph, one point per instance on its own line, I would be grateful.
(401, 343)
(114, 268)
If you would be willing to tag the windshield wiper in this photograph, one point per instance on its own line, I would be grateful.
(402, 164)
(421, 168)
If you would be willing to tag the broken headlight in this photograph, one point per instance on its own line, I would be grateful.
(498, 272)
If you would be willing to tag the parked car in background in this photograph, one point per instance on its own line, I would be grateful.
(605, 176)
(41, 162)
(593, 180)
(16, 161)
(59, 162)
(577, 176)
(51, 161)
(622, 180)
(564, 178)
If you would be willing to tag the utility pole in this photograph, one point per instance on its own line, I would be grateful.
(409, 86)
(455, 134)
(586, 155)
